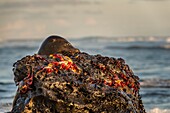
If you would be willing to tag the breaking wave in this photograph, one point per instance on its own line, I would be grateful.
(7, 107)
(130, 39)
(155, 83)
(158, 110)
(128, 42)
(165, 47)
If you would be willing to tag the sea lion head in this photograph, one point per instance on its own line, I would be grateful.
(57, 44)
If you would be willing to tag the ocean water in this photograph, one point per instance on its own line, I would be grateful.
(148, 57)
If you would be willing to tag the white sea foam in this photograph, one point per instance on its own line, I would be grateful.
(158, 110)
(167, 46)
(131, 39)
(154, 110)
(155, 83)
(142, 39)
(168, 40)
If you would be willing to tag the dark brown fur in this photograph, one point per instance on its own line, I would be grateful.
(57, 44)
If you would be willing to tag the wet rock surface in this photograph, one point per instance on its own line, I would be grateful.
(77, 83)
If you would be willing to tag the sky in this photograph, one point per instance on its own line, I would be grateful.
(29, 19)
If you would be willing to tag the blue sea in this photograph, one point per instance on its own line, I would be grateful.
(148, 57)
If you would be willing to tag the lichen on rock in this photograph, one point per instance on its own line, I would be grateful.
(77, 83)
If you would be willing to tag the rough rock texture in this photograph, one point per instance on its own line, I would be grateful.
(78, 83)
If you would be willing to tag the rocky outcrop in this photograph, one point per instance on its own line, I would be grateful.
(77, 83)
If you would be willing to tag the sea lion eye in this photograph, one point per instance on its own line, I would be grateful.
(68, 44)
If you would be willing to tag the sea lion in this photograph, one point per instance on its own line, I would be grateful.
(56, 44)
